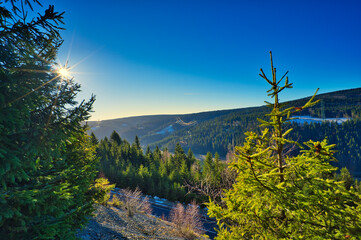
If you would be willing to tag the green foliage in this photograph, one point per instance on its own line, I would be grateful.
(227, 130)
(278, 196)
(345, 135)
(93, 139)
(208, 167)
(346, 178)
(47, 163)
(155, 173)
(103, 188)
(115, 137)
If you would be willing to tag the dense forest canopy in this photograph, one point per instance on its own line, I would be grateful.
(157, 172)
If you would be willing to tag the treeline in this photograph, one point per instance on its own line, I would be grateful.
(346, 136)
(217, 135)
(176, 176)
(155, 172)
(221, 135)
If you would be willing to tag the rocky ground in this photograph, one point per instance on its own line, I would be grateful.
(110, 223)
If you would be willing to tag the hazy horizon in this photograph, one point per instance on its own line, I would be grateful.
(215, 110)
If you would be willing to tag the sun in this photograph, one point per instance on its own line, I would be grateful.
(63, 72)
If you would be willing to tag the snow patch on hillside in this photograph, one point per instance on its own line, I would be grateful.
(309, 119)
(165, 130)
(95, 128)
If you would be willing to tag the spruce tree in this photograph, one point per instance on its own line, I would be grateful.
(179, 156)
(279, 196)
(190, 158)
(208, 167)
(115, 137)
(47, 163)
(136, 143)
(93, 139)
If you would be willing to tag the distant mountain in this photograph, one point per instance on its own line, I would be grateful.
(224, 126)
(151, 128)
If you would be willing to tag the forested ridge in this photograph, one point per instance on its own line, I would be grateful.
(216, 134)
(223, 133)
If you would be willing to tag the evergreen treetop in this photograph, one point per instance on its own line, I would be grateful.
(116, 137)
(279, 196)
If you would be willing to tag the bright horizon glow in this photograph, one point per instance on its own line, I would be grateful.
(174, 57)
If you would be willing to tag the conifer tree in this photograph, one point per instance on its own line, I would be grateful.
(115, 137)
(93, 139)
(208, 167)
(179, 156)
(157, 154)
(47, 163)
(278, 196)
(190, 158)
(136, 143)
(217, 168)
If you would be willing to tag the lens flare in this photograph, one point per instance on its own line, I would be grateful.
(64, 72)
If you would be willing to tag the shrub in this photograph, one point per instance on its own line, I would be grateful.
(115, 201)
(133, 202)
(103, 189)
(187, 220)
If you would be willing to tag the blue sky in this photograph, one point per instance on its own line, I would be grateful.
(165, 57)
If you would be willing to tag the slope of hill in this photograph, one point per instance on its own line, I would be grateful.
(214, 131)
(151, 128)
(218, 131)
(217, 134)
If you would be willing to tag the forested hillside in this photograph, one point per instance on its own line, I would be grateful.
(151, 128)
(155, 172)
(216, 135)
(219, 131)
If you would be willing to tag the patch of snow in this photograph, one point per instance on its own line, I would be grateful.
(309, 119)
(165, 130)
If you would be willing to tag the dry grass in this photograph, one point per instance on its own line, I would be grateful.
(187, 221)
(133, 202)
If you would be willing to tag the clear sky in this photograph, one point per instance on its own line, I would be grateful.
(164, 57)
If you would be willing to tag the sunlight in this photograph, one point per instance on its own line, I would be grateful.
(63, 72)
